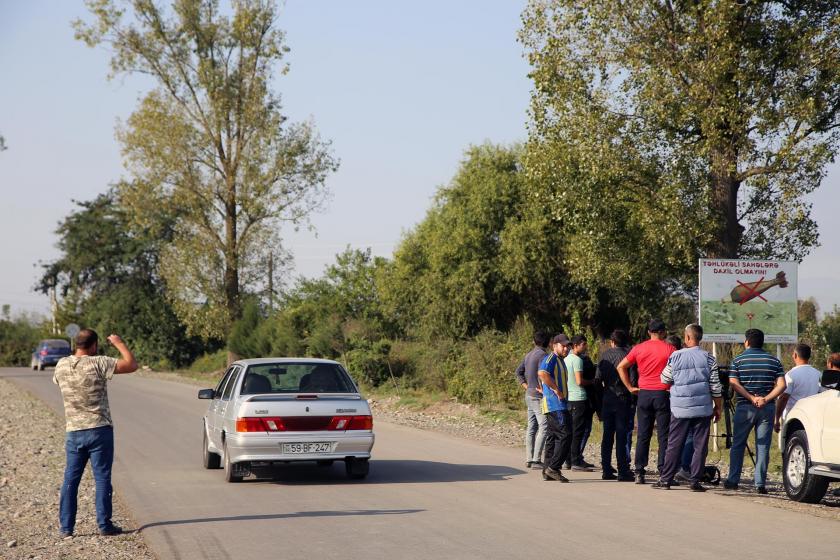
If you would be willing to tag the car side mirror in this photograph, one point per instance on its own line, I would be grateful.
(206, 394)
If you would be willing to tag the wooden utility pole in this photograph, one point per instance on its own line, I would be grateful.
(270, 283)
(54, 305)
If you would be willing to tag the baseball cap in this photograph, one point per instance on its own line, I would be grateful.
(560, 339)
(656, 325)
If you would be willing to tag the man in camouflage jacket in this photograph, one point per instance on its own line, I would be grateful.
(83, 379)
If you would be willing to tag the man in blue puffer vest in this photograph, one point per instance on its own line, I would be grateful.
(696, 399)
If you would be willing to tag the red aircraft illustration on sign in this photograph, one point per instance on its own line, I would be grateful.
(744, 292)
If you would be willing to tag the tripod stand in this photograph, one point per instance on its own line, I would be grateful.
(729, 410)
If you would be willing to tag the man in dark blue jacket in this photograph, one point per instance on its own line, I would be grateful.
(616, 409)
(526, 374)
(696, 399)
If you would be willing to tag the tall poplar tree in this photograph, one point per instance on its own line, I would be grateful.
(210, 143)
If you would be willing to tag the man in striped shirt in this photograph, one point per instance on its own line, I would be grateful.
(757, 378)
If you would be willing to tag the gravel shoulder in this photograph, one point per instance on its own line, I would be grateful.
(31, 472)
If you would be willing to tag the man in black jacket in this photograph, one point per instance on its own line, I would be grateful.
(616, 409)
(526, 374)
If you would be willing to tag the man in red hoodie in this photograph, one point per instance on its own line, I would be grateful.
(653, 405)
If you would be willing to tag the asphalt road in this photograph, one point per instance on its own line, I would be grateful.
(428, 496)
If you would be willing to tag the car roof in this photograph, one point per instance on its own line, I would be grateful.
(262, 361)
(54, 340)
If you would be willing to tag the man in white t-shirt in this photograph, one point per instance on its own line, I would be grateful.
(802, 381)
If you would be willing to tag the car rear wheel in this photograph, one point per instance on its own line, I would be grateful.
(357, 468)
(801, 486)
(230, 475)
(211, 460)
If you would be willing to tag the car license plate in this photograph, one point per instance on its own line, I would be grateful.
(309, 447)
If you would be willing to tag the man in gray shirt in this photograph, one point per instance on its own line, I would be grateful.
(526, 374)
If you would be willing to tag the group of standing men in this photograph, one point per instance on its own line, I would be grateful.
(671, 385)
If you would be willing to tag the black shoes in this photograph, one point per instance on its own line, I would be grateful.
(640, 478)
(625, 478)
(697, 487)
(550, 474)
(659, 485)
(587, 465)
(609, 476)
(537, 465)
(729, 486)
(581, 468)
(111, 531)
(761, 490)
(65, 534)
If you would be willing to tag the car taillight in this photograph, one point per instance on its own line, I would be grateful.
(303, 423)
(351, 423)
(268, 424)
(44, 352)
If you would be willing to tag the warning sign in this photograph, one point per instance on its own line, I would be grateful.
(736, 295)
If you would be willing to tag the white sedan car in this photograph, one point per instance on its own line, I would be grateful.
(270, 411)
(810, 440)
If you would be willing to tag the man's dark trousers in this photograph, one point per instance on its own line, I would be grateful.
(578, 411)
(558, 441)
(677, 436)
(617, 417)
(653, 406)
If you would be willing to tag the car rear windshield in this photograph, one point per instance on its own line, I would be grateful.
(56, 344)
(290, 377)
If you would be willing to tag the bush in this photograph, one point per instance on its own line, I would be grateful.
(422, 364)
(18, 338)
(368, 362)
(483, 371)
(210, 363)
(242, 340)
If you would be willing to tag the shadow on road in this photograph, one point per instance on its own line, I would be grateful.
(295, 515)
(390, 471)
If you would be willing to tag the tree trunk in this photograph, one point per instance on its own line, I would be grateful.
(231, 278)
(725, 186)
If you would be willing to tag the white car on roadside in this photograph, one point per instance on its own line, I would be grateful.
(272, 411)
(810, 442)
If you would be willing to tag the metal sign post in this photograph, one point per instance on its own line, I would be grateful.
(72, 330)
(715, 424)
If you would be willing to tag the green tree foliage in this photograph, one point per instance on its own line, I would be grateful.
(830, 326)
(337, 316)
(107, 276)
(211, 142)
(242, 340)
(483, 255)
(18, 337)
(665, 131)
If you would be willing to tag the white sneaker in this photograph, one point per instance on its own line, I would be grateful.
(683, 475)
